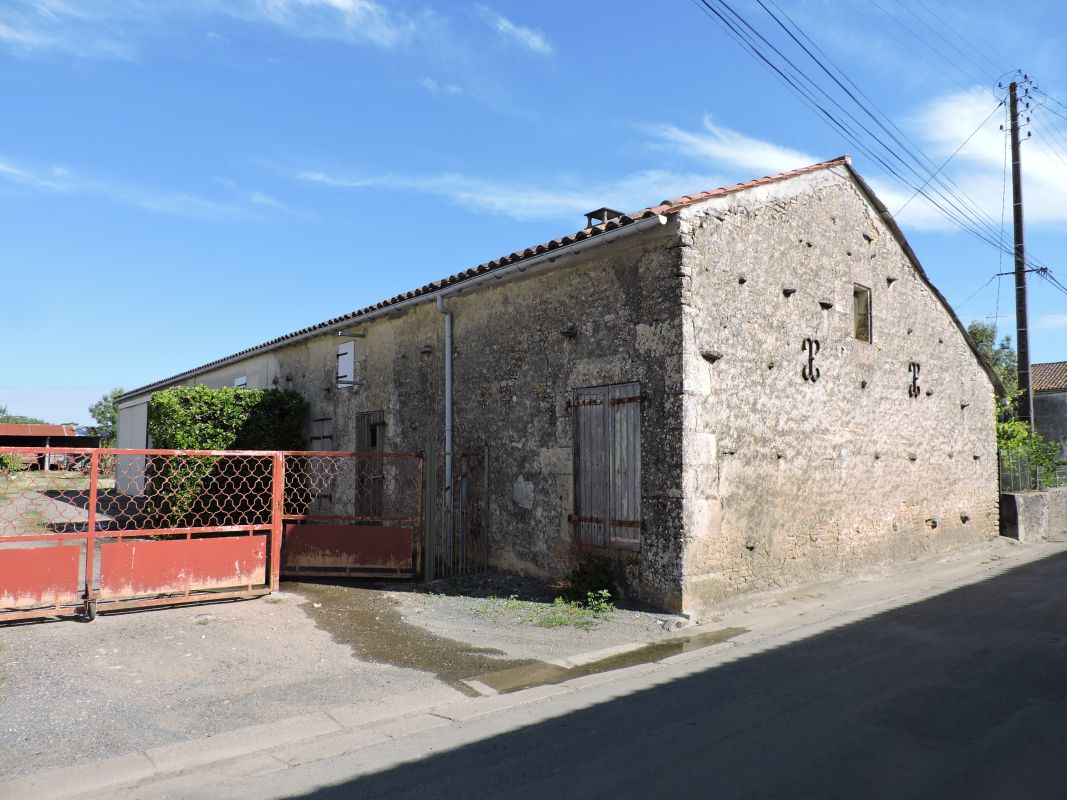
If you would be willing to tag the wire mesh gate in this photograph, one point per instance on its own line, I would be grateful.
(353, 514)
(109, 529)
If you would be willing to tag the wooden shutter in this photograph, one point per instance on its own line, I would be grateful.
(624, 431)
(607, 470)
(590, 466)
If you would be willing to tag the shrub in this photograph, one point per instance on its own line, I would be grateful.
(11, 462)
(203, 418)
(1042, 456)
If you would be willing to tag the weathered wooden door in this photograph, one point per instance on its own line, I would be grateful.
(607, 465)
(370, 475)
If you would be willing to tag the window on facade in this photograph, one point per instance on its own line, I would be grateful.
(240, 383)
(607, 465)
(861, 313)
(346, 365)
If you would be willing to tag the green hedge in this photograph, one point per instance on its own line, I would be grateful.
(192, 490)
(202, 418)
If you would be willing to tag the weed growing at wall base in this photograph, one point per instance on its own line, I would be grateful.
(561, 613)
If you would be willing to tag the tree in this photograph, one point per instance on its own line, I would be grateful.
(18, 419)
(1016, 439)
(1001, 357)
(106, 416)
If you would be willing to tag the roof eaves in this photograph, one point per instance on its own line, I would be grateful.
(666, 208)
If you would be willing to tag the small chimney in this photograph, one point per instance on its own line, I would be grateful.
(601, 215)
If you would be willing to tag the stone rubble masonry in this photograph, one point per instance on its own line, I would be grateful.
(788, 480)
(752, 477)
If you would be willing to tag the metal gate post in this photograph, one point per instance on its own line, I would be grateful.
(90, 534)
(277, 512)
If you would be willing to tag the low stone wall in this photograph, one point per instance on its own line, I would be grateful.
(1034, 516)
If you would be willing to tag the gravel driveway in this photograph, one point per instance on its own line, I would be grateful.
(72, 691)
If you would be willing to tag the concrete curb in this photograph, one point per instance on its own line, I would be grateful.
(338, 731)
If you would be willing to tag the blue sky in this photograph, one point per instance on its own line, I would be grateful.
(181, 180)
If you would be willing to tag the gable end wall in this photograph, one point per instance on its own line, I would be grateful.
(788, 480)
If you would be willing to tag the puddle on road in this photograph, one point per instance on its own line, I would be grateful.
(370, 623)
(513, 679)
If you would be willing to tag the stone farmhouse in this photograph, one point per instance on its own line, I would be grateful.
(735, 390)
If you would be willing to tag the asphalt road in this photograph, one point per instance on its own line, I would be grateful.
(959, 695)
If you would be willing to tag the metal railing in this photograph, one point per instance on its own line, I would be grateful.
(1018, 473)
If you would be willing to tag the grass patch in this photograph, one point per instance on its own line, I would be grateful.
(561, 613)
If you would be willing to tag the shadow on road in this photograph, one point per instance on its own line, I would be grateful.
(961, 695)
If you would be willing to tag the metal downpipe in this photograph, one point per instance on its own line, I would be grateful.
(447, 487)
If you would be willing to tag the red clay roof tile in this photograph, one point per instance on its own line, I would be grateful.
(1048, 377)
(663, 209)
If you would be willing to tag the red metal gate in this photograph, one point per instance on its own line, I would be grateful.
(112, 529)
(353, 514)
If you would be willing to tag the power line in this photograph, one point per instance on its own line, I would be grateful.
(913, 151)
(937, 33)
(955, 29)
(950, 202)
(952, 63)
(981, 125)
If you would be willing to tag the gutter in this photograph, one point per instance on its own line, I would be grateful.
(528, 266)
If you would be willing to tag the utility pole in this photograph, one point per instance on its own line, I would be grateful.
(1026, 402)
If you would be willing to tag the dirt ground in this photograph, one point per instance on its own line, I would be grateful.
(73, 691)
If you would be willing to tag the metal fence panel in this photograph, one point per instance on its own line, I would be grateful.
(1019, 474)
(119, 528)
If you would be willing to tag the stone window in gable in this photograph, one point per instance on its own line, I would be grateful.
(861, 313)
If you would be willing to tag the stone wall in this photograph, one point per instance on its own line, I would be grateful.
(519, 349)
(789, 480)
(1050, 419)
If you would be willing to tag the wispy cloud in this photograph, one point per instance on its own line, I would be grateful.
(729, 148)
(347, 20)
(59, 180)
(726, 156)
(265, 200)
(31, 26)
(434, 86)
(565, 197)
(530, 38)
(978, 173)
(114, 28)
(1051, 322)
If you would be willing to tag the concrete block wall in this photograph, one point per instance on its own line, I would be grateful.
(1035, 516)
